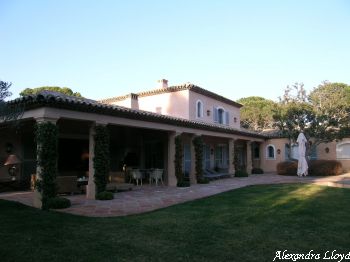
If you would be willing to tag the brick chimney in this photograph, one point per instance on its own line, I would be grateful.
(163, 83)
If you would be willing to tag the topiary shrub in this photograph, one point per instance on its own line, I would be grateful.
(287, 168)
(241, 173)
(257, 170)
(105, 195)
(58, 203)
(325, 168)
(203, 180)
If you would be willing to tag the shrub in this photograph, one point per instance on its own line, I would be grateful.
(104, 195)
(183, 183)
(287, 168)
(316, 168)
(203, 180)
(325, 168)
(241, 173)
(58, 203)
(257, 170)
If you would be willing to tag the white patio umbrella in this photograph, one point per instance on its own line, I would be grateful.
(302, 164)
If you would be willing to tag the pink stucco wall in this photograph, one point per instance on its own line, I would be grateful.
(270, 164)
(171, 104)
(209, 104)
(332, 153)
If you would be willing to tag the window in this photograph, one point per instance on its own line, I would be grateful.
(221, 156)
(187, 160)
(256, 150)
(343, 150)
(199, 109)
(294, 154)
(206, 157)
(221, 116)
(270, 152)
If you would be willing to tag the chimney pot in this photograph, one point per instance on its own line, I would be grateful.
(163, 83)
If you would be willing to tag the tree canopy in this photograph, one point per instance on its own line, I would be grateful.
(63, 90)
(256, 113)
(8, 112)
(322, 115)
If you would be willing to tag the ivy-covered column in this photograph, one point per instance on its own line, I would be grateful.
(231, 155)
(178, 161)
(249, 158)
(47, 138)
(197, 164)
(98, 160)
(101, 159)
(193, 179)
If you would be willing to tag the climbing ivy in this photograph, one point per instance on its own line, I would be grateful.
(178, 159)
(101, 159)
(198, 149)
(46, 138)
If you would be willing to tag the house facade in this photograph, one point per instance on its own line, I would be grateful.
(142, 129)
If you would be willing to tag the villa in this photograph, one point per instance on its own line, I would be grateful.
(142, 129)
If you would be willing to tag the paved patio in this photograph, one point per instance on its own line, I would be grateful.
(148, 198)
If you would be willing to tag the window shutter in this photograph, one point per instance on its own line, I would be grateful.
(215, 114)
(227, 116)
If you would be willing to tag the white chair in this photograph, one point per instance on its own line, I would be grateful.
(136, 175)
(156, 174)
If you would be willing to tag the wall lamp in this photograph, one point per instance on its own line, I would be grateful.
(12, 161)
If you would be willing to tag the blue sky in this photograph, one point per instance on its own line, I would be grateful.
(234, 48)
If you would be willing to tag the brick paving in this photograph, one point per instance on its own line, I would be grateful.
(150, 197)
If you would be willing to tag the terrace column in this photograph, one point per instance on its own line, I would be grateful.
(249, 157)
(231, 156)
(37, 195)
(90, 189)
(193, 179)
(171, 178)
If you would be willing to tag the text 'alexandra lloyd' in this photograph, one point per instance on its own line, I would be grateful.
(333, 255)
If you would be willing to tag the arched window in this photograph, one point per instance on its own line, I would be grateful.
(199, 109)
(343, 150)
(221, 115)
(270, 152)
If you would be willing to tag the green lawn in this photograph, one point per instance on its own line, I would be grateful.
(248, 224)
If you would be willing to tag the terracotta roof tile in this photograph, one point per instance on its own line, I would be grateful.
(58, 100)
(187, 86)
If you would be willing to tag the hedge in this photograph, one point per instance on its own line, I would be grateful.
(316, 168)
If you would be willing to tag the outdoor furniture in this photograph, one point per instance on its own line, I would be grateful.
(136, 175)
(211, 174)
(67, 185)
(117, 182)
(156, 174)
